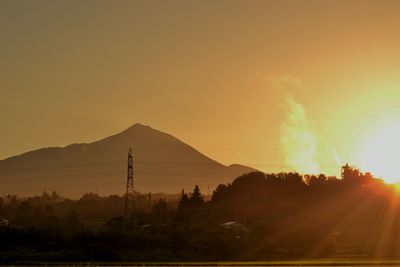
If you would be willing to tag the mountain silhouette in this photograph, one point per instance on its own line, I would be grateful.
(162, 163)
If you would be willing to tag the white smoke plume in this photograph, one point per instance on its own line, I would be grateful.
(337, 157)
(297, 138)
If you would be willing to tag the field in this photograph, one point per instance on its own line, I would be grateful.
(330, 262)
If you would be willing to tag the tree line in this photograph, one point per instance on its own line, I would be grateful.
(256, 217)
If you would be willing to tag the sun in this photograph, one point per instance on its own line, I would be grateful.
(380, 152)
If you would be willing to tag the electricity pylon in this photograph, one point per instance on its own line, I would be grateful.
(129, 195)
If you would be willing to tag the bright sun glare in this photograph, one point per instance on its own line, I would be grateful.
(380, 153)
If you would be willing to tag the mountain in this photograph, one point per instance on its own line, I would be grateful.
(162, 163)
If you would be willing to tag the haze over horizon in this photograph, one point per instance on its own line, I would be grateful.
(275, 85)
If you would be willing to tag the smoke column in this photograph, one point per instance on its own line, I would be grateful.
(336, 156)
(297, 139)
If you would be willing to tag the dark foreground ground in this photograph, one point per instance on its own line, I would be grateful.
(329, 262)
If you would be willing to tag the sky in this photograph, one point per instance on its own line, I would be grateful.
(276, 85)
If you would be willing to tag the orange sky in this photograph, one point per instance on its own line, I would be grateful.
(216, 74)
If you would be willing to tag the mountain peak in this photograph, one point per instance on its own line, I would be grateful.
(144, 131)
(139, 126)
(163, 163)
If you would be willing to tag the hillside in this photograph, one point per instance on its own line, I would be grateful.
(162, 163)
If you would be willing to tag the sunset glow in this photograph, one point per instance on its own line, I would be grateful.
(200, 133)
(380, 152)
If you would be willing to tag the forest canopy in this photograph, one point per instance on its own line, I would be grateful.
(256, 217)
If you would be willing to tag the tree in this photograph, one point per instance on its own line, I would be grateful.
(160, 210)
(74, 224)
(184, 199)
(115, 224)
(196, 199)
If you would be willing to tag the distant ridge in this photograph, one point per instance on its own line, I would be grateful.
(162, 163)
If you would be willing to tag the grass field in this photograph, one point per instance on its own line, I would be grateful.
(330, 262)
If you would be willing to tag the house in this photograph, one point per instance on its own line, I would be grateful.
(4, 222)
(234, 226)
